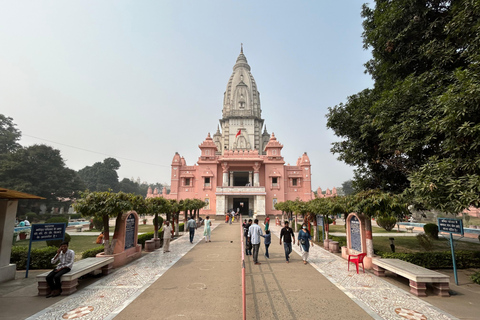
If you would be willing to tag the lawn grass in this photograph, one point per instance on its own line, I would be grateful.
(341, 228)
(410, 244)
(77, 243)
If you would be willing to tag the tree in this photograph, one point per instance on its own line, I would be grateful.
(106, 205)
(348, 188)
(39, 170)
(9, 135)
(156, 206)
(418, 128)
(102, 176)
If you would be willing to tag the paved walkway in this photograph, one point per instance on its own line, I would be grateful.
(202, 281)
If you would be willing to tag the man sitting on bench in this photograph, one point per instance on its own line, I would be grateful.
(66, 257)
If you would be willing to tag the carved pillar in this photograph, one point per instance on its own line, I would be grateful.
(256, 174)
(231, 179)
(250, 177)
(225, 174)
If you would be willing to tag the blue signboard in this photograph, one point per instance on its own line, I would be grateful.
(44, 232)
(450, 225)
(47, 231)
(319, 220)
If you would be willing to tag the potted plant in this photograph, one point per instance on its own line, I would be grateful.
(144, 221)
(23, 234)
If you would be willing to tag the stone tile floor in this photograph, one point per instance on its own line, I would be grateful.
(107, 297)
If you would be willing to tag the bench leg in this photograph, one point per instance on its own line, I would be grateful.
(418, 288)
(107, 269)
(378, 271)
(69, 287)
(441, 289)
(43, 288)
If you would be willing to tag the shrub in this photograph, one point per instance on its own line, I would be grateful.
(476, 277)
(57, 220)
(431, 230)
(342, 242)
(160, 221)
(92, 253)
(329, 220)
(438, 260)
(424, 242)
(32, 217)
(39, 258)
(387, 223)
(181, 227)
(56, 243)
(75, 216)
(144, 237)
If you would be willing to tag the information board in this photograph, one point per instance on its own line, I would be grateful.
(355, 237)
(450, 225)
(319, 220)
(47, 231)
(130, 232)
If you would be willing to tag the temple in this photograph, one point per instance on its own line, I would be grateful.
(241, 168)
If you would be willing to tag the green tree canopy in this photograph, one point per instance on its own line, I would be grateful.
(419, 125)
(9, 135)
(102, 176)
(39, 170)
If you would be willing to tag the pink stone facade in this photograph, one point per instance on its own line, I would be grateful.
(240, 168)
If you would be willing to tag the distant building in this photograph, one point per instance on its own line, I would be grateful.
(241, 168)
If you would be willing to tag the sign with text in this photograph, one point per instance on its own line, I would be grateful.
(450, 225)
(319, 220)
(47, 231)
(130, 231)
(355, 235)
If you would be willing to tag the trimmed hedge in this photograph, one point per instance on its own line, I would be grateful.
(476, 277)
(39, 258)
(181, 227)
(92, 253)
(342, 242)
(438, 260)
(144, 237)
(57, 220)
(56, 243)
(387, 223)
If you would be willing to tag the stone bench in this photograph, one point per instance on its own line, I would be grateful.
(69, 280)
(409, 228)
(418, 276)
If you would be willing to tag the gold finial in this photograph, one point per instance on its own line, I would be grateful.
(241, 47)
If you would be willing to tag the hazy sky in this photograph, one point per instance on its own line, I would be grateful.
(140, 80)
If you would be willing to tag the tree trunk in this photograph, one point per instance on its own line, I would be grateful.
(177, 231)
(296, 225)
(315, 235)
(156, 226)
(106, 234)
(368, 236)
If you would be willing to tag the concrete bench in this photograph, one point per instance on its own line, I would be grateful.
(69, 280)
(417, 275)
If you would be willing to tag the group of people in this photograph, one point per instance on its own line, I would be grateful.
(230, 216)
(253, 233)
(207, 231)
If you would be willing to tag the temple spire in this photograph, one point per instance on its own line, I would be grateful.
(241, 47)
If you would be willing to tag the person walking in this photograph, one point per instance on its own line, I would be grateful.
(248, 244)
(268, 240)
(254, 234)
(267, 224)
(304, 241)
(232, 214)
(167, 236)
(66, 258)
(287, 234)
(206, 229)
(191, 225)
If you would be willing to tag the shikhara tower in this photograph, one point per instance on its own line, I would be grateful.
(240, 167)
(241, 124)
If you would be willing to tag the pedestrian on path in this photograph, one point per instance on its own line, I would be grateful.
(287, 235)
(267, 241)
(191, 225)
(304, 240)
(248, 243)
(167, 236)
(254, 234)
(66, 258)
(206, 229)
(267, 223)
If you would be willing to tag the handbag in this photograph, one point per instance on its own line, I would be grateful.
(302, 241)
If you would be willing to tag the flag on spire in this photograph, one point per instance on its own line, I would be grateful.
(238, 133)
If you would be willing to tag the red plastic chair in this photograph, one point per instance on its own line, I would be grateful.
(356, 258)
